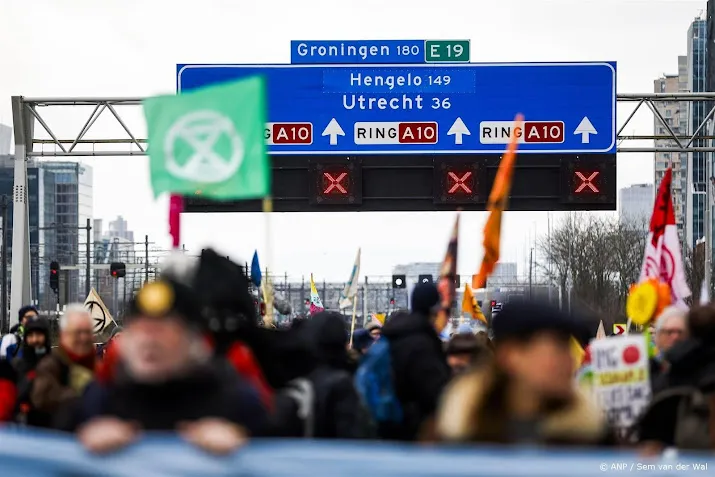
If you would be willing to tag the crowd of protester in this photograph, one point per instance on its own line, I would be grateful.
(193, 357)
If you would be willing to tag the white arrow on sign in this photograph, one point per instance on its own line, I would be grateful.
(585, 129)
(457, 130)
(333, 130)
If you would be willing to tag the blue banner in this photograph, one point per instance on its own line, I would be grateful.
(35, 454)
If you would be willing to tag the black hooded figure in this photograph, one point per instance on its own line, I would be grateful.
(419, 364)
(29, 355)
(338, 409)
(25, 363)
(223, 288)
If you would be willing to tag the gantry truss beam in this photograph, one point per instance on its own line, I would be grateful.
(80, 142)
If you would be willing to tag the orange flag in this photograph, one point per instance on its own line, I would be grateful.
(448, 278)
(497, 204)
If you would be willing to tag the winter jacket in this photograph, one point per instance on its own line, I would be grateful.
(339, 411)
(420, 371)
(577, 422)
(211, 391)
(679, 411)
(8, 391)
(59, 381)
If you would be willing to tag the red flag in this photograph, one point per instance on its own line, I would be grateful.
(176, 206)
(663, 259)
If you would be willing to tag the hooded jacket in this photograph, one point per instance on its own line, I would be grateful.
(420, 370)
(338, 410)
(577, 422)
(691, 372)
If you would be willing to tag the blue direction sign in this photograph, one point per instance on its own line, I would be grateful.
(357, 51)
(430, 109)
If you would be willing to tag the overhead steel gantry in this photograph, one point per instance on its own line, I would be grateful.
(27, 112)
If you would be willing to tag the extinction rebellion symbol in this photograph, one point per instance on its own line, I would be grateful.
(98, 314)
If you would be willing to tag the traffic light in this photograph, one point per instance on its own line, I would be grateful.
(117, 269)
(457, 281)
(399, 281)
(392, 302)
(493, 303)
(55, 276)
(425, 278)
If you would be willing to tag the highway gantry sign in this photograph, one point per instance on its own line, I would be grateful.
(569, 108)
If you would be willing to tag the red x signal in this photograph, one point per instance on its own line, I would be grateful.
(586, 182)
(335, 183)
(459, 182)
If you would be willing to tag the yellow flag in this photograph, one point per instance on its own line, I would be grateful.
(470, 305)
(577, 352)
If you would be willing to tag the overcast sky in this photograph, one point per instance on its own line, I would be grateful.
(130, 48)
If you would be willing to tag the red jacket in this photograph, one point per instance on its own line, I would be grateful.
(8, 391)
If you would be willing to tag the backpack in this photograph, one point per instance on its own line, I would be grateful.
(302, 393)
(353, 414)
(694, 426)
(374, 383)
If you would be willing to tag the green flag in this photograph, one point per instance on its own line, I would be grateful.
(210, 142)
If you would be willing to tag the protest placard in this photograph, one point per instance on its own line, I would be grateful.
(621, 385)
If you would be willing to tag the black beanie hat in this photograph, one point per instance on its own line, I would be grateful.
(166, 297)
(222, 287)
(425, 298)
(37, 323)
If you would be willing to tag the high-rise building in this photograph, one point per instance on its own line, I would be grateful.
(116, 245)
(635, 205)
(66, 205)
(696, 161)
(59, 203)
(119, 228)
(504, 274)
(675, 114)
(5, 139)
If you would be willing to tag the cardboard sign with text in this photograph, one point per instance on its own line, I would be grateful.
(621, 384)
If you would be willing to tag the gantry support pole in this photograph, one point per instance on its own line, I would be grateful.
(20, 289)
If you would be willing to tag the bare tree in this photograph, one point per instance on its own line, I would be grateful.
(628, 245)
(556, 250)
(694, 264)
(597, 258)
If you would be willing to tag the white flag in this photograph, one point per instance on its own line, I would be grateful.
(704, 294)
(99, 312)
(662, 259)
(351, 287)
(601, 333)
